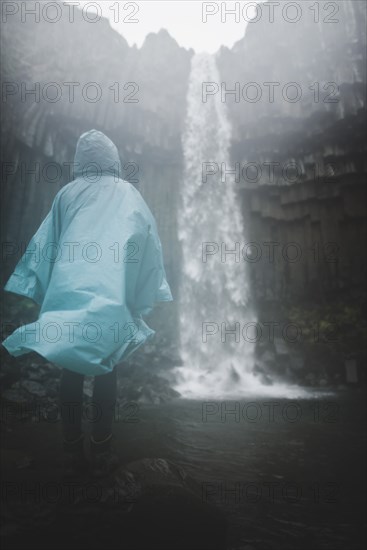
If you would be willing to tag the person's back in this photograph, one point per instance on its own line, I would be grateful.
(95, 267)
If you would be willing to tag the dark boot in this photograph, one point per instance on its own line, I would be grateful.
(104, 457)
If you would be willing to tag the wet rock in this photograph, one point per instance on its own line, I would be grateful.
(10, 368)
(310, 379)
(138, 383)
(233, 375)
(297, 362)
(170, 357)
(88, 386)
(152, 504)
(281, 347)
(52, 387)
(268, 357)
(264, 377)
(15, 394)
(34, 388)
(25, 462)
(40, 372)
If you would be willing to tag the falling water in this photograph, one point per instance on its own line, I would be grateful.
(212, 291)
(215, 293)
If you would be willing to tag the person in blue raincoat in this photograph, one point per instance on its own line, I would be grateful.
(95, 267)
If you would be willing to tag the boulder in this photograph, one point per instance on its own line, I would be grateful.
(148, 504)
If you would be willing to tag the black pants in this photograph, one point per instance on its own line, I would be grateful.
(99, 412)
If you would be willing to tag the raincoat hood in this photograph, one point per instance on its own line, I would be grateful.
(96, 155)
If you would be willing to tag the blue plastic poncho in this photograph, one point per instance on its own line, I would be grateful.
(95, 267)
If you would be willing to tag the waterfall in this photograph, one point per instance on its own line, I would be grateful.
(217, 323)
(214, 294)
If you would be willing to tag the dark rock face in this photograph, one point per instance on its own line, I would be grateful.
(316, 197)
(303, 162)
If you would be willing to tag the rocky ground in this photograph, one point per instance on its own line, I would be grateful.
(185, 483)
(154, 499)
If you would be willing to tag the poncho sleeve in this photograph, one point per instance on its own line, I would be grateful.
(33, 271)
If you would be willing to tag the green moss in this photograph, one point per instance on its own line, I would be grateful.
(341, 326)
